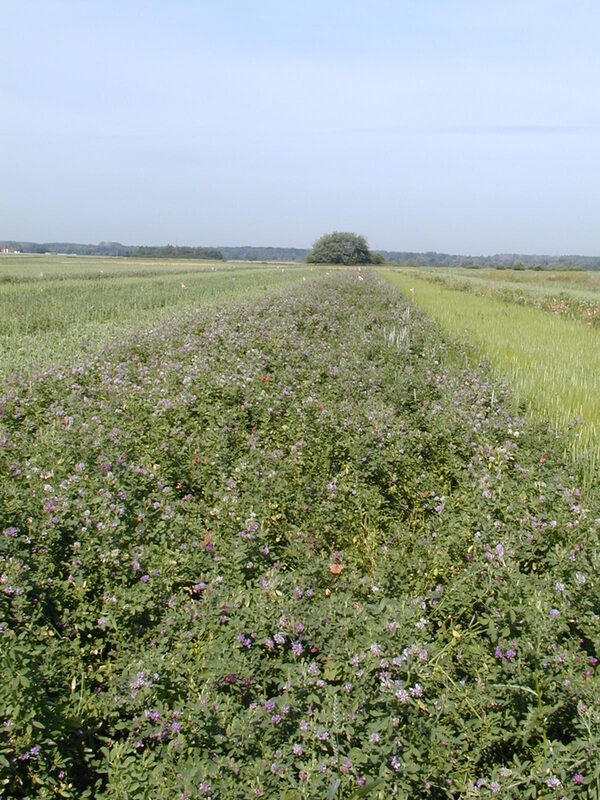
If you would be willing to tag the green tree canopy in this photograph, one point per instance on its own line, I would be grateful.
(341, 247)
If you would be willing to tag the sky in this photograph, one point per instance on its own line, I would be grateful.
(461, 126)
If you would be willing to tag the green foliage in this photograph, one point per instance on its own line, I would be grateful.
(294, 548)
(341, 248)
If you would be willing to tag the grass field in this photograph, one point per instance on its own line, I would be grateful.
(552, 364)
(282, 538)
(53, 307)
(571, 294)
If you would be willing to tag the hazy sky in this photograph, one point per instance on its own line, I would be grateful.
(465, 126)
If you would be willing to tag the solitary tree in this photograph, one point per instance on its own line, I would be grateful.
(341, 247)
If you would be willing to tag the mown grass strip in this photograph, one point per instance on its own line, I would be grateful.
(551, 364)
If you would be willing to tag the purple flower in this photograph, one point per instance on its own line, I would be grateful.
(510, 654)
(578, 779)
(275, 719)
(175, 728)
(297, 649)
(553, 614)
(402, 696)
(145, 578)
(498, 653)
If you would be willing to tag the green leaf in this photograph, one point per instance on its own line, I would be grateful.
(333, 787)
(367, 788)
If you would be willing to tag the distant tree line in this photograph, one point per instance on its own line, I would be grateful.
(297, 254)
(169, 251)
(247, 253)
(497, 261)
(116, 249)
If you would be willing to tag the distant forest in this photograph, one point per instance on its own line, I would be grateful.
(115, 249)
(298, 255)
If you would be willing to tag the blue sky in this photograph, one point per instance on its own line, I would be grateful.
(464, 126)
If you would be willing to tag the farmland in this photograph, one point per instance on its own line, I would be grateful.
(277, 534)
(53, 308)
(573, 294)
(538, 333)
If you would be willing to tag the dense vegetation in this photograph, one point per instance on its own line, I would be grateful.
(341, 247)
(291, 549)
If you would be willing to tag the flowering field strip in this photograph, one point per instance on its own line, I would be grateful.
(293, 548)
(574, 295)
(51, 318)
(551, 364)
